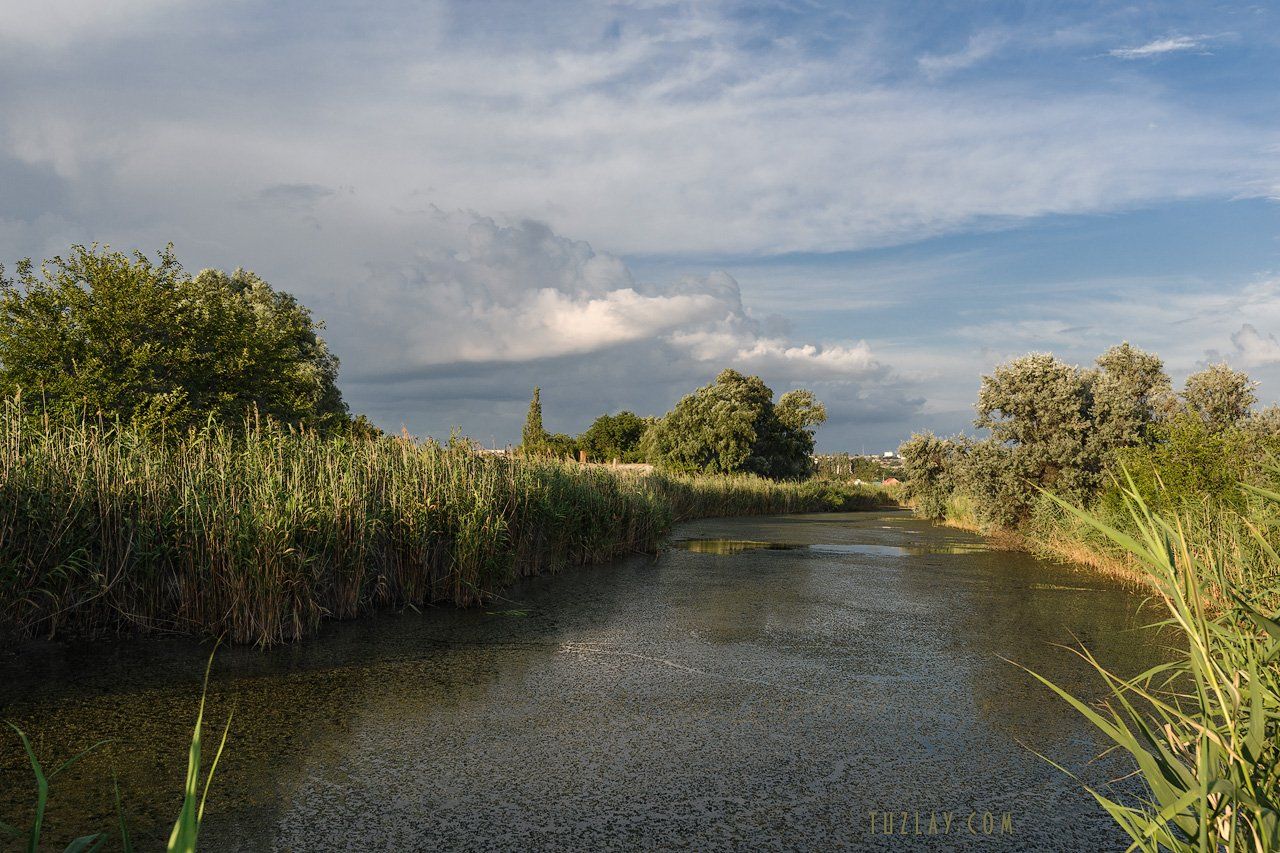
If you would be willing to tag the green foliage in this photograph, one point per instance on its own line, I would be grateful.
(533, 438)
(1130, 395)
(33, 834)
(101, 332)
(1190, 462)
(732, 426)
(1204, 729)
(800, 409)
(995, 478)
(186, 828)
(559, 445)
(260, 534)
(614, 437)
(1219, 396)
(1039, 408)
(929, 469)
(1053, 426)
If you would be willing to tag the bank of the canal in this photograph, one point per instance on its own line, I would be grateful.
(724, 694)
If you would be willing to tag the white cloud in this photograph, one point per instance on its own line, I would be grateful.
(1255, 348)
(320, 153)
(1159, 47)
(481, 310)
(676, 136)
(476, 290)
(56, 24)
(981, 46)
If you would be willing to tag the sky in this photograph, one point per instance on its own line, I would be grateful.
(616, 200)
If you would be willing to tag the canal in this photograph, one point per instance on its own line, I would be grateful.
(797, 682)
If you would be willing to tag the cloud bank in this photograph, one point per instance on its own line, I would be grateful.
(340, 152)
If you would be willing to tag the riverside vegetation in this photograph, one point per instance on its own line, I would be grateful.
(260, 533)
(1108, 466)
(175, 456)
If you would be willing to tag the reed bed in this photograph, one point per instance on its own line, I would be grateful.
(1203, 730)
(260, 534)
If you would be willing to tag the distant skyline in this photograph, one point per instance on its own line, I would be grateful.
(614, 201)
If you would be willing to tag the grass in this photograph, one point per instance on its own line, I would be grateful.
(186, 828)
(1204, 729)
(259, 535)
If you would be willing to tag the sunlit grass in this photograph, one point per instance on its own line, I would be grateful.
(259, 535)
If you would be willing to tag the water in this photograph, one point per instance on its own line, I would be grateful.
(769, 683)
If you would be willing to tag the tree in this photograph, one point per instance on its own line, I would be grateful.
(533, 438)
(1219, 396)
(1131, 393)
(614, 437)
(929, 467)
(101, 332)
(560, 445)
(800, 409)
(732, 426)
(1041, 408)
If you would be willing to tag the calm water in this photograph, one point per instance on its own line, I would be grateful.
(768, 683)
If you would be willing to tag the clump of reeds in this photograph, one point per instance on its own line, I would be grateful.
(259, 534)
(1204, 728)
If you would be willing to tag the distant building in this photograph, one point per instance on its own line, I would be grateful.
(890, 481)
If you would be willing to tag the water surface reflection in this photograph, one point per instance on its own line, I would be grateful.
(721, 695)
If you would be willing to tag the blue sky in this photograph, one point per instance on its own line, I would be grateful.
(615, 200)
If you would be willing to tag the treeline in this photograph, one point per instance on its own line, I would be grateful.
(1083, 433)
(731, 426)
(143, 343)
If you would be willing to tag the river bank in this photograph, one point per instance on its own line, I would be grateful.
(261, 536)
(1062, 544)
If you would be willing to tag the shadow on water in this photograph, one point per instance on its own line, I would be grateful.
(766, 682)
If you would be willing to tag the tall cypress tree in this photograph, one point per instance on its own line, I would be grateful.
(534, 437)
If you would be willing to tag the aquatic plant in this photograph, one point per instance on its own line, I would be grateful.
(1204, 728)
(260, 533)
(186, 828)
(33, 833)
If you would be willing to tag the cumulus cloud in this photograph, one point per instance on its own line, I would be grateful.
(1161, 46)
(1254, 347)
(691, 133)
(485, 291)
(482, 309)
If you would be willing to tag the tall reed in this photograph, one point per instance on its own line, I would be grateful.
(259, 534)
(1203, 729)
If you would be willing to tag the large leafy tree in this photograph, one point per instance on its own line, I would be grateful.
(1040, 408)
(1131, 393)
(102, 332)
(614, 437)
(733, 426)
